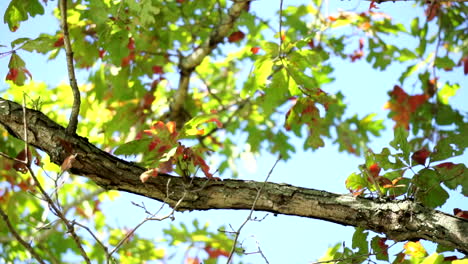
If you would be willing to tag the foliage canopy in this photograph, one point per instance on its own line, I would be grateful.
(188, 87)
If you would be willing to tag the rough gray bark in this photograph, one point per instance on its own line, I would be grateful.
(399, 220)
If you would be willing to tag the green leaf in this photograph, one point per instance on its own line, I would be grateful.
(429, 192)
(410, 71)
(271, 49)
(446, 92)
(434, 258)
(356, 182)
(380, 248)
(133, 147)
(400, 142)
(18, 10)
(42, 44)
(330, 254)
(415, 26)
(444, 63)
(191, 127)
(360, 240)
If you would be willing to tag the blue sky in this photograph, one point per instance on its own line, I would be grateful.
(283, 239)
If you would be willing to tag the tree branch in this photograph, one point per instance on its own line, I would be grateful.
(187, 64)
(399, 220)
(18, 237)
(73, 123)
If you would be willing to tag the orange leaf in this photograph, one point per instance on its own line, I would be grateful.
(255, 50)
(148, 174)
(403, 105)
(374, 170)
(215, 253)
(68, 162)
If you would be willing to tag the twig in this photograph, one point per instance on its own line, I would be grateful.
(280, 28)
(93, 235)
(151, 218)
(249, 217)
(18, 237)
(341, 259)
(46, 197)
(73, 123)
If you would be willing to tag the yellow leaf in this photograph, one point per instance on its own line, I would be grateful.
(415, 249)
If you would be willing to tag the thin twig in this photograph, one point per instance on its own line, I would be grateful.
(151, 218)
(280, 28)
(73, 123)
(18, 237)
(93, 235)
(46, 197)
(57, 212)
(249, 217)
(341, 259)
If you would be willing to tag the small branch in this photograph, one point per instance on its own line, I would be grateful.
(187, 64)
(150, 218)
(18, 237)
(249, 217)
(73, 123)
(68, 224)
(47, 198)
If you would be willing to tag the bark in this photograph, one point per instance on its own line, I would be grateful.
(399, 220)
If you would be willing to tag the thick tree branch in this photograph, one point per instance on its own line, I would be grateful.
(73, 123)
(187, 64)
(399, 220)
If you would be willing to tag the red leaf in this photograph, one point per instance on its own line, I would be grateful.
(20, 166)
(372, 5)
(460, 213)
(374, 170)
(216, 120)
(383, 246)
(126, 60)
(361, 43)
(101, 53)
(59, 42)
(157, 69)
(236, 36)
(131, 44)
(465, 65)
(255, 50)
(12, 74)
(421, 155)
(446, 165)
(198, 161)
(404, 105)
(214, 253)
(432, 11)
